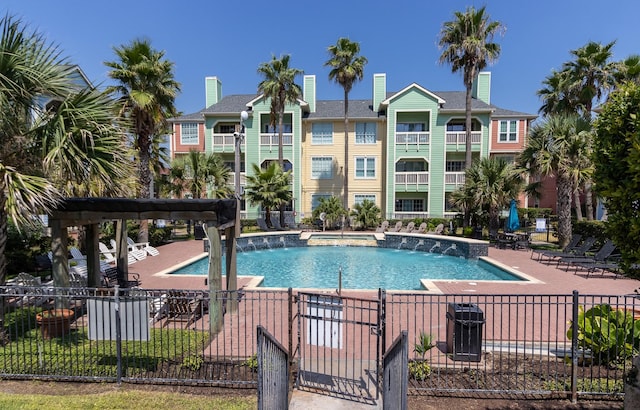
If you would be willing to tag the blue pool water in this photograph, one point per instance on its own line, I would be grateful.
(362, 268)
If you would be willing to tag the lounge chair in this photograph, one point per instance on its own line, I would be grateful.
(262, 224)
(183, 307)
(580, 250)
(396, 228)
(573, 243)
(276, 224)
(601, 256)
(76, 254)
(110, 279)
(143, 246)
(33, 291)
(422, 228)
(107, 253)
(132, 255)
(383, 226)
(409, 228)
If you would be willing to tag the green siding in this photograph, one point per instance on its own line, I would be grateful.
(482, 87)
(213, 91)
(379, 89)
(309, 91)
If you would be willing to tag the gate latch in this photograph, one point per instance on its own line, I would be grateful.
(374, 330)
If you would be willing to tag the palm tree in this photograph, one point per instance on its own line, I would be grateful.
(333, 210)
(62, 139)
(468, 46)
(490, 184)
(197, 172)
(279, 85)
(547, 153)
(367, 213)
(347, 67)
(147, 90)
(270, 188)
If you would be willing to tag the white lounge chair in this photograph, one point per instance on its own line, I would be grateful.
(132, 255)
(107, 253)
(144, 246)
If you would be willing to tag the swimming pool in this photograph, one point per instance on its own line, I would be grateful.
(317, 267)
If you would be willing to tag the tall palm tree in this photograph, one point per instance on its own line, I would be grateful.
(203, 175)
(279, 86)
(147, 90)
(367, 213)
(270, 188)
(347, 67)
(62, 139)
(467, 45)
(547, 153)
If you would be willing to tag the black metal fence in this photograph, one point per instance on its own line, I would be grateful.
(566, 345)
(273, 372)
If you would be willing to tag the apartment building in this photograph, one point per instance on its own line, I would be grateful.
(406, 148)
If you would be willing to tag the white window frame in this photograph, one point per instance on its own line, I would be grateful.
(369, 167)
(321, 172)
(412, 201)
(505, 137)
(189, 138)
(366, 136)
(359, 198)
(322, 133)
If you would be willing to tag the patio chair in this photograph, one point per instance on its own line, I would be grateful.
(31, 290)
(107, 253)
(262, 224)
(110, 279)
(409, 228)
(143, 246)
(383, 226)
(573, 243)
(132, 256)
(580, 250)
(183, 307)
(422, 228)
(605, 251)
(396, 228)
(276, 224)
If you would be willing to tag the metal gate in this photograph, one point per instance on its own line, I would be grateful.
(339, 345)
(395, 374)
(273, 372)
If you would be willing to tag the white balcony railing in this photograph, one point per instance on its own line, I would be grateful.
(224, 142)
(271, 140)
(456, 178)
(413, 139)
(461, 137)
(412, 179)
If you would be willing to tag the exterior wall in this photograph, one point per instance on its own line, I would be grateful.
(179, 148)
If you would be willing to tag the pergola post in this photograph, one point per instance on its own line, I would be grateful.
(93, 255)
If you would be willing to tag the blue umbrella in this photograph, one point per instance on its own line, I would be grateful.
(513, 222)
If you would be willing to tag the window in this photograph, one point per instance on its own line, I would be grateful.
(359, 198)
(315, 200)
(409, 205)
(287, 129)
(189, 134)
(460, 125)
(508, 131)
(454, 166)
(365, 133)
(322, 133)
(365, 167)
(321, 167)
(226, 129)
(411, 127)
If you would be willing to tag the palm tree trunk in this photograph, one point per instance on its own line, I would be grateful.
(346, 150)
(144, 173)
(467, 126)
(576, 198)
(564, 210)
(588, 201)
(281, 156)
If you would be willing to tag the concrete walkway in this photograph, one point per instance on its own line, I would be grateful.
(303, 400)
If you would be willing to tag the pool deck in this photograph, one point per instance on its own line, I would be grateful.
(549, 280)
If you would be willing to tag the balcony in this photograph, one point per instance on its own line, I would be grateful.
(412, 181)
(232, 180)
(224, 143)
(412, 140)
(455, 178)
(459, 138)
(271, 140)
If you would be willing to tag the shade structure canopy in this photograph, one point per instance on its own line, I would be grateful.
(513, 222)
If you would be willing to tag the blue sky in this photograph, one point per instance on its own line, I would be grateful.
(399, 37)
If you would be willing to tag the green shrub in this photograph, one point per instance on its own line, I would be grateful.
(192, 362)
(611, 335)
(596, 229)
(419, 369)
(252, 362)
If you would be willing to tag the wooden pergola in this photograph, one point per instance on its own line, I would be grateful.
(217, 214)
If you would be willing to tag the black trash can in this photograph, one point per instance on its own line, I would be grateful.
(198, 232)
(464, 331)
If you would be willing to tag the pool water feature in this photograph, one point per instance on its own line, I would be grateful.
(317, 267)
(342, 240)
